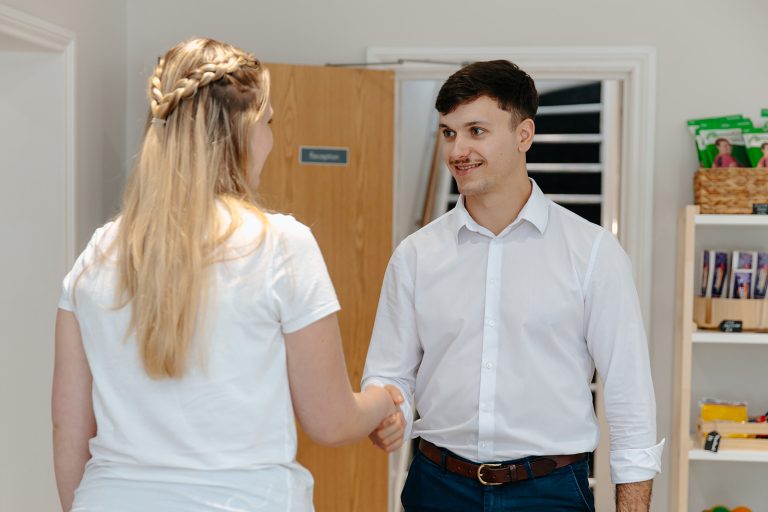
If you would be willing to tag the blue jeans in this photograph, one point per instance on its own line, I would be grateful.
(429, 488)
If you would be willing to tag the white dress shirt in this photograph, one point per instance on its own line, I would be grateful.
(495, 339)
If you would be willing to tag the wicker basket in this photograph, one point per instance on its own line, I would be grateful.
(730, 190)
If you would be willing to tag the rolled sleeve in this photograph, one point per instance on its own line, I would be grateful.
(636, 464)
(617, 342)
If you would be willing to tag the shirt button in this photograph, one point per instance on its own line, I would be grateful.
(483, 444)
(491, 323)
(489, 365)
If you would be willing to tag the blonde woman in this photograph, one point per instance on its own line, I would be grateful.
(195, 324)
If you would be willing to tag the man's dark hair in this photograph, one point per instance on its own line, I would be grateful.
(511, 87)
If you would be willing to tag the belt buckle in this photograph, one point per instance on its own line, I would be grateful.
(480, 473)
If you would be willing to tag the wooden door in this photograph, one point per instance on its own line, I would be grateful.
(349, 208)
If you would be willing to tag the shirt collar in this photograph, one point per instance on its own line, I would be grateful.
(535, 211)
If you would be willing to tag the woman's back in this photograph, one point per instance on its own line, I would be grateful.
(228, 423)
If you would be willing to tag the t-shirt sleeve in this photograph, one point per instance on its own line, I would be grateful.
(301, 285)
(67, 299)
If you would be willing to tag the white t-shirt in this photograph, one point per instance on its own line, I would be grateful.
(223, 437)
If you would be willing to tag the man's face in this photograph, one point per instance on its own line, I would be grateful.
(481, 146)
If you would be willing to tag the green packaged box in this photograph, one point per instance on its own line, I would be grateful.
(711, 122)
(756, 143)
(725, 143)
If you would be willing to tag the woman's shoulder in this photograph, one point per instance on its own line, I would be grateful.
(279, 228)
(103, 236)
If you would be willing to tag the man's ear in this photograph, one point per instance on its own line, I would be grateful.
(525, 131)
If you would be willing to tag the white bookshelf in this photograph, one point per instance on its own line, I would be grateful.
(730, 220)
(729, 455)
(730, 338)
(728, 358)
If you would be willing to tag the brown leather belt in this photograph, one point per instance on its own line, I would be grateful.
(496, 474)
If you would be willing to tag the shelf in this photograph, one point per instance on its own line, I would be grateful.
(730, 338)
(565, 168)
(584, 108)
(731, 220)
(569, 138)
(576, 198)
(729, 455)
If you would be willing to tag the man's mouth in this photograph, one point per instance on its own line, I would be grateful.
(465, 167)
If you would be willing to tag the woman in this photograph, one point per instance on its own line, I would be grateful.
(195, 324)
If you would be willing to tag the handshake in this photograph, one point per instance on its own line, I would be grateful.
(388, 435)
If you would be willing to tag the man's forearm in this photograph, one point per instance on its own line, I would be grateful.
(634, 497)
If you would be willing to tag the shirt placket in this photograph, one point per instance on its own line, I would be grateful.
(491, 320)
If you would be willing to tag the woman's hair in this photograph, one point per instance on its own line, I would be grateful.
(205, 97)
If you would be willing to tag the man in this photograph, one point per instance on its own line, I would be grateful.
(492, 320)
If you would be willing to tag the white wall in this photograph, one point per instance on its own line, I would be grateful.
(32, 211)
(32, 207)
(699, 74)
(100, 32)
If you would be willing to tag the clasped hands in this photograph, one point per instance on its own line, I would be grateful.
(388, 435)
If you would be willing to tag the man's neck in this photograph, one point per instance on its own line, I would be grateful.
(498, 209)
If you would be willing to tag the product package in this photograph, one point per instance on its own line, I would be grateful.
(711, 409)
(712, 122)
(761, 276)
(756, 144)
(742, 274)
(714, 274)
(725, 143)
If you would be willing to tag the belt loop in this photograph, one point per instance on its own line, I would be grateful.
(442, 460)
(528, 468)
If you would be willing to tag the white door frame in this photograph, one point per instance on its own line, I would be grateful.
(634, 67)
(35, 34)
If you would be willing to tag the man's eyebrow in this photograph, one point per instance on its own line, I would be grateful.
(469, 123)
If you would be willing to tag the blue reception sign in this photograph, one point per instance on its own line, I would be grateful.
(313, 155)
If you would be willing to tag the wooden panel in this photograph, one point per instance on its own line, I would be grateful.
(684, 326)
(349, 209)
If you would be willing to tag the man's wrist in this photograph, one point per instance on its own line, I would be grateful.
(634, 497)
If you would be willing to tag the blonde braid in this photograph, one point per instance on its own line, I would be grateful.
(163, 104)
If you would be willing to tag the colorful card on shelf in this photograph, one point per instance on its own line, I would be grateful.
(761, 276)
(720, 268)
(706, 275)
(742, 285)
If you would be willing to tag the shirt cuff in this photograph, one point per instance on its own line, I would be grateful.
(405, 407)
(636, 464)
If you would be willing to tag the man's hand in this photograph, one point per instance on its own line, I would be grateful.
(634, 497)
(389, 434)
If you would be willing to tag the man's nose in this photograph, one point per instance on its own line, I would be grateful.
(459, 150)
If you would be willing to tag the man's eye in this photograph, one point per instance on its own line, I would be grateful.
(476, 130)
(448, 133)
